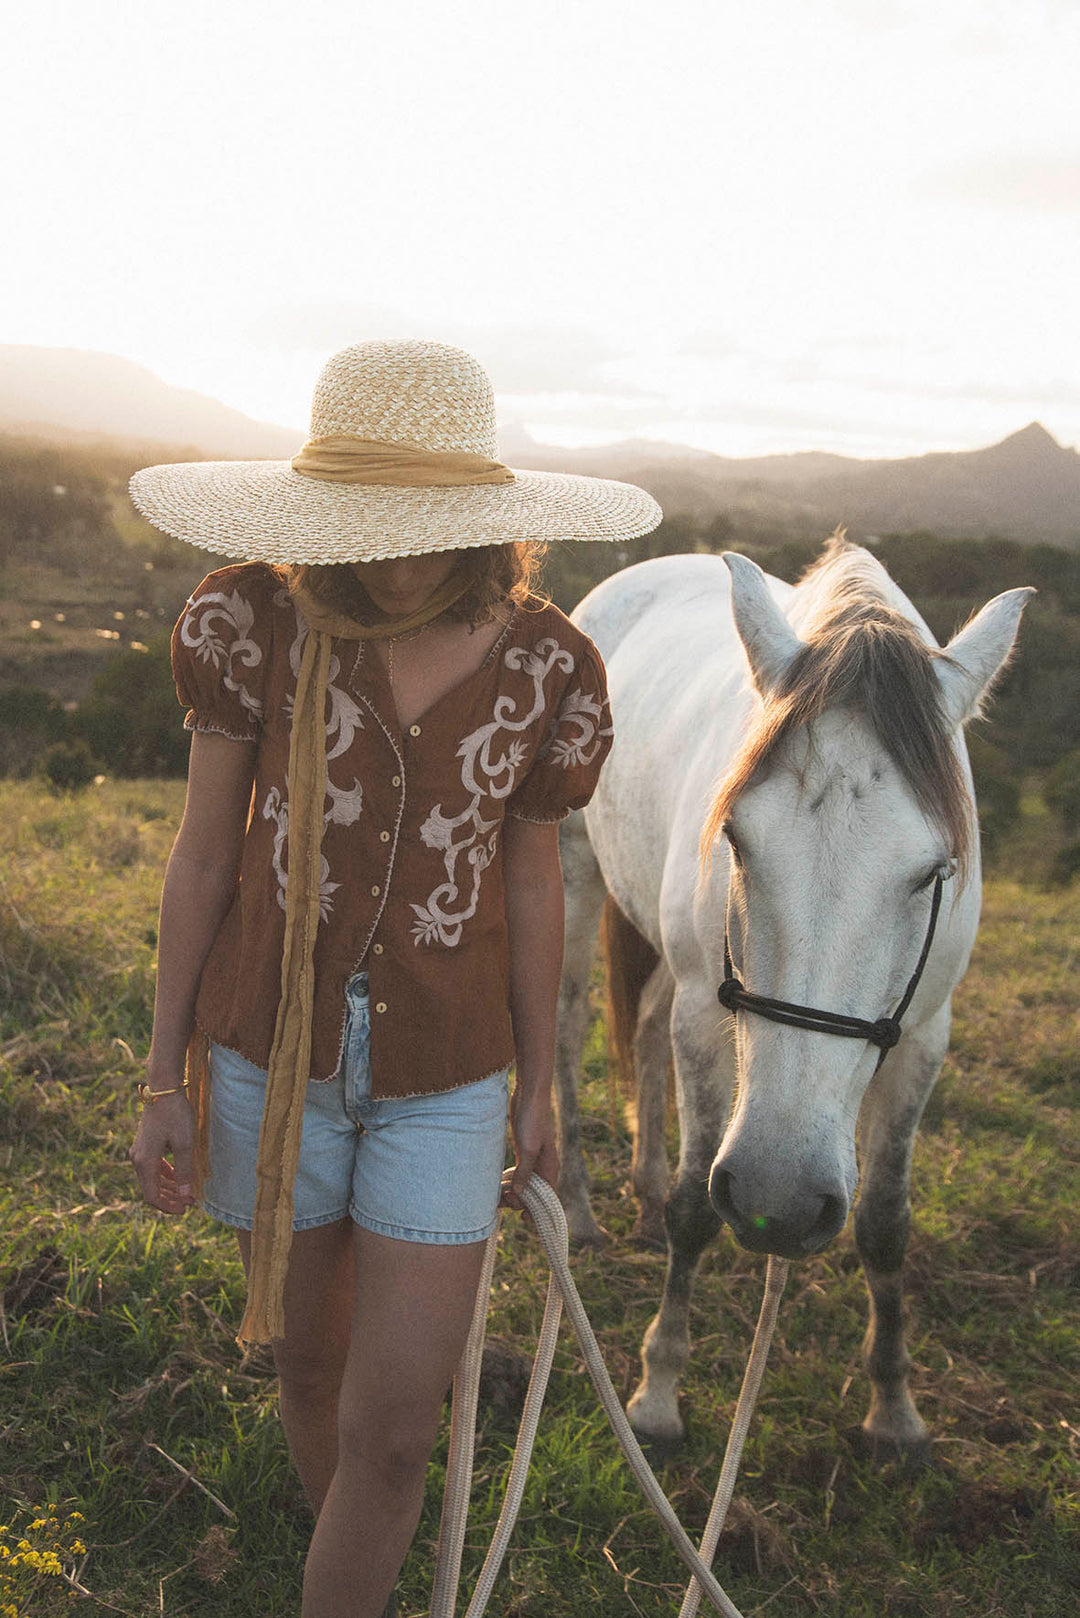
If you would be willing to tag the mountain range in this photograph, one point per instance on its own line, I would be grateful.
(1026, 487)
(77, 395)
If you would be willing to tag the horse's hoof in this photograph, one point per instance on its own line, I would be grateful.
(666, 1438)
(910, 1455)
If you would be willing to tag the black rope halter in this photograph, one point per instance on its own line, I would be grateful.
(884, 1033)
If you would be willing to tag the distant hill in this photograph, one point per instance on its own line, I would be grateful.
(76, 394)
(1027, 487)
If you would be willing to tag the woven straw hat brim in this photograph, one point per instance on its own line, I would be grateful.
(263, 511)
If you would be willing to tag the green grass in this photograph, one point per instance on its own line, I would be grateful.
(118, 1327)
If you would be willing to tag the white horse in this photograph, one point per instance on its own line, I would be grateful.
(827, 751)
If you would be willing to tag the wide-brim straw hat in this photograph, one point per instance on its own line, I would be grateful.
(401, 460)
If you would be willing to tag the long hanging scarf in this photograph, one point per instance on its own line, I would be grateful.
(290, 1054)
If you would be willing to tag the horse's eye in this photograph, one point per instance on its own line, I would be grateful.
(736, 852)
(945, 872)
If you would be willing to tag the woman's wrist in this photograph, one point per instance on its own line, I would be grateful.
(150, 1094)
(537, 1083)
(166, 1062)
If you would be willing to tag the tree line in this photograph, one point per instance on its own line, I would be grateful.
(59, 509)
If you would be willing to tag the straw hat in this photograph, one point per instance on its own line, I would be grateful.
(401, 460)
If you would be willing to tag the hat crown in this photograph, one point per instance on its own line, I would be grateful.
(407, 392)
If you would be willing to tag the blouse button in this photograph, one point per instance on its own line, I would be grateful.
(384, 837)
(414, 730)
(376, 890)
(396, 781)
(380, 1006)
(376, 949)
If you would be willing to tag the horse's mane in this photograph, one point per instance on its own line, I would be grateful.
(859, 652)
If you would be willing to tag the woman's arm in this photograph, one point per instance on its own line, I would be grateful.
(532, 876)
(200, 881)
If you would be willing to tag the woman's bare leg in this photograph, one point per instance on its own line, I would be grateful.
(412, 1307)
(310, 1359)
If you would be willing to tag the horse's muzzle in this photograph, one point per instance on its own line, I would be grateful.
(802, 1228)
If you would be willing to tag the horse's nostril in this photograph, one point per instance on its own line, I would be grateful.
(720, 1193)
(830, 1221)
(791, 1229)
(722, 1189)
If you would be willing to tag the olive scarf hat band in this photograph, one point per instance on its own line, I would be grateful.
(347, 458)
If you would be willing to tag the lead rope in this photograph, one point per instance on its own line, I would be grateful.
(550, 1221)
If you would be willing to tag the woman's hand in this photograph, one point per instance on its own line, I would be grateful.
(532, 1123)
(166, 1130)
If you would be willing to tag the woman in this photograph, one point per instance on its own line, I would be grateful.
(361, 921)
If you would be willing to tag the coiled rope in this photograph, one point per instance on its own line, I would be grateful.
(550, 1222)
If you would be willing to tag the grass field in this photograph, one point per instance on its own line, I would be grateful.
(119, 1361)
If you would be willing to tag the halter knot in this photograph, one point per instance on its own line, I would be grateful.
(730, 993)
(885, 1033)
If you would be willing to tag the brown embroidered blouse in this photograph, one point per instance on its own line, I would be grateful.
(411, 886)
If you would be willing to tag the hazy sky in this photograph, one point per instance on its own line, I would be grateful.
(852, 224)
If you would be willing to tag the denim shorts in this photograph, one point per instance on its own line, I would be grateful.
(423, 1168)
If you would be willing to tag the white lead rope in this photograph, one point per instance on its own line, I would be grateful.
(547, 1214)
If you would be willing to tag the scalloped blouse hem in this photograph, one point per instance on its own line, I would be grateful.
(329, 1079)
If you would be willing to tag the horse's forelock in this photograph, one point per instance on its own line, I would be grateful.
(860, 653)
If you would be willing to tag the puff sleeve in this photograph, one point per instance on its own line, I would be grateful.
(566, 769)
(220, 648)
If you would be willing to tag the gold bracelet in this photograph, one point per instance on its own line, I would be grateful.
(147, 1096)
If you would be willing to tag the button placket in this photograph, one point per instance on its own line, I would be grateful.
(388, 838)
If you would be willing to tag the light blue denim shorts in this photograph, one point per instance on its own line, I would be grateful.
(423, 1168)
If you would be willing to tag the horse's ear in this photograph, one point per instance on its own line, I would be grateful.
(974, 658)
(769, 639)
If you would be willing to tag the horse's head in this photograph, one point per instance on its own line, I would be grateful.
(849, 798)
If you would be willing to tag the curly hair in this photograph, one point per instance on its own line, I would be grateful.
(496, 573)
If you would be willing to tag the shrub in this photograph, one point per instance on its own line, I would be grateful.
(69, 766)
(131, 719)
(1062, 790)
(1066, 864)
(29, 720)
(997, 791)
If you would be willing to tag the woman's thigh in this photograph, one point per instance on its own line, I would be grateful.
(318, 1303)
(412, 1307)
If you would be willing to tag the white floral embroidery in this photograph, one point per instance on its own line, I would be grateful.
(200, 631)
(582, 745)
(489, 770)
(345, 802)
(276, 808)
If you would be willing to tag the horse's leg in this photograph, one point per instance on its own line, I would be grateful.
(704, 1095)
(652, 1054)
(889, 1119)
(585, 894)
